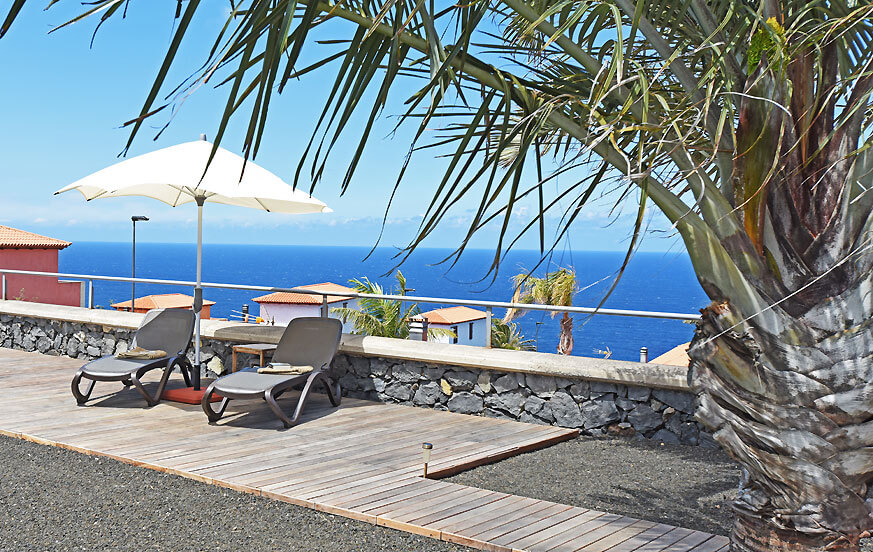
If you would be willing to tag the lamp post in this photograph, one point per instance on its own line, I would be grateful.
(134, 219)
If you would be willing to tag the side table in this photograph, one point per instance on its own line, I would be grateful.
(255, 349)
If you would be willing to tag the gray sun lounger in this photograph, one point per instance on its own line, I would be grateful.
(308, 341)
(167, 330)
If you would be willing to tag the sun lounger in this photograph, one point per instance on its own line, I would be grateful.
(304, 352)
(162, 341)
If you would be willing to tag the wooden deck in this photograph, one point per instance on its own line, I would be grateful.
(362, 461)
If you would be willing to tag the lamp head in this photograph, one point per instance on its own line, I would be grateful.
(139, 218)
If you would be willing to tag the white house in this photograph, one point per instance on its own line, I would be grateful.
(467, 324)
(281, 307)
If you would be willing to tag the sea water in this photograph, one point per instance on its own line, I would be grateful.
(652, 281)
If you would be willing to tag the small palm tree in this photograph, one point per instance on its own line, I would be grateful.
(383, 317)
(505, 335)
(555, 288)
(379, 317)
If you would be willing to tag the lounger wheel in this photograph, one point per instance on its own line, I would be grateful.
(81, 398)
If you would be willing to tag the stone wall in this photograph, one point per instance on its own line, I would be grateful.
(594, 407)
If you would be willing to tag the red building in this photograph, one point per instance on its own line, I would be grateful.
(22, 250)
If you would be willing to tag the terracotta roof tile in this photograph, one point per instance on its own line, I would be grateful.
(677, 356)
(303, 299)
(13, 238)
(162, 301)
(453, 315)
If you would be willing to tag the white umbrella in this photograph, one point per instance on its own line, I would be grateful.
(175, 175)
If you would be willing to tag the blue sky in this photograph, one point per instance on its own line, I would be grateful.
(62, 105)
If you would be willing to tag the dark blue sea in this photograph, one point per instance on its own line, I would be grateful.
(653, 281)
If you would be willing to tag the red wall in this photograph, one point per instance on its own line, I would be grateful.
(39, 289)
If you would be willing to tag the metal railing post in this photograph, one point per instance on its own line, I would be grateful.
(324, 306)
(90, 294)
(488, 327)
(644, 354)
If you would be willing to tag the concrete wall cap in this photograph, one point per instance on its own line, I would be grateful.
(596, 369)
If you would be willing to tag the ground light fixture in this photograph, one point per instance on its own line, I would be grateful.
(134, 219)
(426, 448)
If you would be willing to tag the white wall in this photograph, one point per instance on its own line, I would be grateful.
(463, 333)
(282, 313)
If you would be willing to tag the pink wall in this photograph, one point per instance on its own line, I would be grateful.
(39, 289)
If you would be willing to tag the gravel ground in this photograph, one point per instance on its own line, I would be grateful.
(679, 485)
(54, 499)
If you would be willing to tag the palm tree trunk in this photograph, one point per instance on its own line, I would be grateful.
(797, 413)
(751, 534)
(565, 343)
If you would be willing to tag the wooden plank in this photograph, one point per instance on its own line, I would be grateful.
(642, 539)
(538, 527)
(467, 498)
(713, 544)
(577, 531)
(595, 535)
(530, 542)
(665, 541)
(529, 518)
(460, 522)
(689, 542)
(487, 497)
(618, 537)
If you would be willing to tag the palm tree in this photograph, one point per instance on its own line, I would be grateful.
(379, 317)
(746, 123)
(383, 317)
(555, 288)
(505, 335)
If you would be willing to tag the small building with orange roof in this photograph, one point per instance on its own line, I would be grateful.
(165, 301)
(468, 325)
(281, 307)
(677, 356)
(23, 250)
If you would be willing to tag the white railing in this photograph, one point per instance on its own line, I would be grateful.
(488, 305)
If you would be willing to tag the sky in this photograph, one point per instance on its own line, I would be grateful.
(63, 101)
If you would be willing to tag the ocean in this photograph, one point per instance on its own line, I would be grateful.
(652, 281)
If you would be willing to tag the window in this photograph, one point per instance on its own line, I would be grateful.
(455, 331)
(471, 331)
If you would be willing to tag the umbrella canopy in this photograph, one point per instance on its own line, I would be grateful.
(175, 175)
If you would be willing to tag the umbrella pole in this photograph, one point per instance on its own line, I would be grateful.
(198, 293)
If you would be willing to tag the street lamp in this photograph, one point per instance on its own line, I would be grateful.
(134, 219)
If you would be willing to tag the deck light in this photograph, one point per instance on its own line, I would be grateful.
(425, 455)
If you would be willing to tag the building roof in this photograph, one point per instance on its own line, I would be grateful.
(162, 301)
(303, 299)
(677, 356)
(452, 315)
(13, 238)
